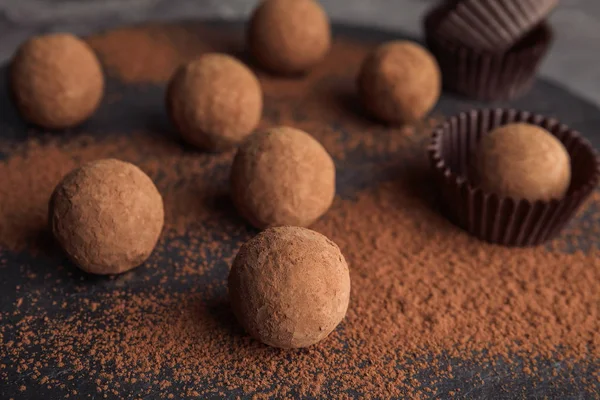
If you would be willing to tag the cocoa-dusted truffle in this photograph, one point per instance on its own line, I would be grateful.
(289, 36)
(107, 216)
(399, 82)
(522, 161)
(215, 101)
(282, 176)
(57, 80)
(289, 287)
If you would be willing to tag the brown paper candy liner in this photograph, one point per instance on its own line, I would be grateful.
(487, 76)
(493, 25)
(505, 220)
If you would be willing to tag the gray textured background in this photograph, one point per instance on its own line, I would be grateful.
(573, 61)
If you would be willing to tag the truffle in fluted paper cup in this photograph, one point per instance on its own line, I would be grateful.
(501, 219)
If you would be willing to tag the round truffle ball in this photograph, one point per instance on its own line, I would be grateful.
(289, 36)
(214, 101)
(289, 287)
(522, 161)
(57, 81)
(282, 176)
(107, 216)
(399, 82)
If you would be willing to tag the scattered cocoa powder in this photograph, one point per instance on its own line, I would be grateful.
(433, 311)
(148, 53)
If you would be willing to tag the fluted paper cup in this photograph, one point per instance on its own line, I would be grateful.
(493, 25)
(505, 220)
(483, 75)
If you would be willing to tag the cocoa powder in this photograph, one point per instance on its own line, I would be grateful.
(429, 306)
(148, 53)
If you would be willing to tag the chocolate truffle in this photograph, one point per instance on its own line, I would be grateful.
(399, 82)
(289, 287)
(282, 176)
(289, 36)
(57, 81)
(522, 161)
(107, 216)
(215, 101)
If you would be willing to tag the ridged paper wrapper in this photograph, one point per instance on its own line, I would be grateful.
(505, 220)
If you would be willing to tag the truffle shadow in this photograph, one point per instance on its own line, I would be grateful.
(221, 204)
(51, 265)
(350, 104)
(421, 183)
(220, 310)
(418, 181)
(127, 109)
(158, 122)
(11, 123)
(44, 242)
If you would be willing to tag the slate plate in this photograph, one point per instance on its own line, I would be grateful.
(140, 106)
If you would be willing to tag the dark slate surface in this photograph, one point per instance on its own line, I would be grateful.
(144, 105)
